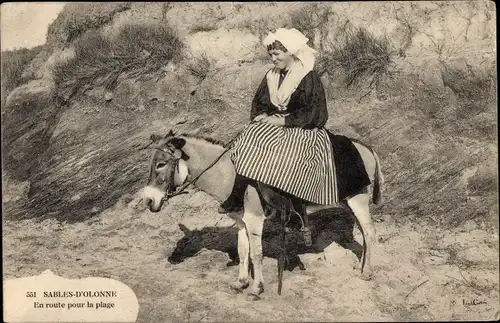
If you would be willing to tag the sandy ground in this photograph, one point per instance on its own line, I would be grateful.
(176, 262)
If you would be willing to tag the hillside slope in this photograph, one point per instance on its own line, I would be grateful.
(431, 118)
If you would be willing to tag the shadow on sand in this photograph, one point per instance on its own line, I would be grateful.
(328, 226)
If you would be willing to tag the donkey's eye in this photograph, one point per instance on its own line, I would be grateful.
(160, 165)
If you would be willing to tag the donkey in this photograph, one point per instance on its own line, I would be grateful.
(177, 158)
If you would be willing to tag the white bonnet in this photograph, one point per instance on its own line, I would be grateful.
(295, 42)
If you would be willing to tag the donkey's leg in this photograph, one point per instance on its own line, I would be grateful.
(243, 253)
(359, 204)
(254, 222)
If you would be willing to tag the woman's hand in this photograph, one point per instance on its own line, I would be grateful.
(260, 117)
(274, 120)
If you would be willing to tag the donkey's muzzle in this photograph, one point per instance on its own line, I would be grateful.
(149, 202)
(153, 210)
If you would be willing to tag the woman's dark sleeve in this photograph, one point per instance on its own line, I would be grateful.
(311, 110)
(261, 102)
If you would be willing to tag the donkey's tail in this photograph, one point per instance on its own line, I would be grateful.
(378, 180)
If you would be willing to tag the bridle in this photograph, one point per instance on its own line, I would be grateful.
(174, 162)
(174, 166)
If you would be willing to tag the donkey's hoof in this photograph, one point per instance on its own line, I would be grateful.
(259, 290)
(254, 292)
(366, 275)
(253, 297)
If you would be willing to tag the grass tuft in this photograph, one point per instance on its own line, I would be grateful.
(203, 27)
(14, 63)
(360, 55)
(473, 89)
(99, 61)
(200, 66)
(303, 20)
(77, 18)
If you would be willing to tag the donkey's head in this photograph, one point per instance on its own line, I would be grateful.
(167, 170)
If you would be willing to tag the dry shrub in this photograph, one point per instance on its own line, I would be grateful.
(203, 27)
(200, 66)
(472, 88)
(99, 61)
(312, 20)
(304, 21)
(14, 63)
(466, 84)
(326, 64)
(432, 101)
(77, 18)
(360, 55)
(258, 27)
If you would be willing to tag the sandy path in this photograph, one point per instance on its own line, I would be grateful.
(134, 246)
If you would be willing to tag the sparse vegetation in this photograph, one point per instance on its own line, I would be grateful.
(258, 27)
(261, 26)
(211, 17)
(303, 20)
(361, 56)
(13, 64)
(203, 27)
(312, 20)
(165, 9)
(77, 18)
(99, 61)
(200, 66)
(326, 64)
(471, 87)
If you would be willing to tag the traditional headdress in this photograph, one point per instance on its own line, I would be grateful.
(296, 43)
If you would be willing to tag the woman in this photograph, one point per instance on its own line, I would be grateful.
(291, 95)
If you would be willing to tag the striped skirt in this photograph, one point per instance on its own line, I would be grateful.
(294, 160)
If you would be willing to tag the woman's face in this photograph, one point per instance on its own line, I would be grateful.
(281, 59)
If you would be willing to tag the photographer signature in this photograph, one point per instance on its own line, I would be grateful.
(473, 302)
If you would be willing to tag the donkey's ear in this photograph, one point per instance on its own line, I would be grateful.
(177, 142)
(169, 134)
(155, 138)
